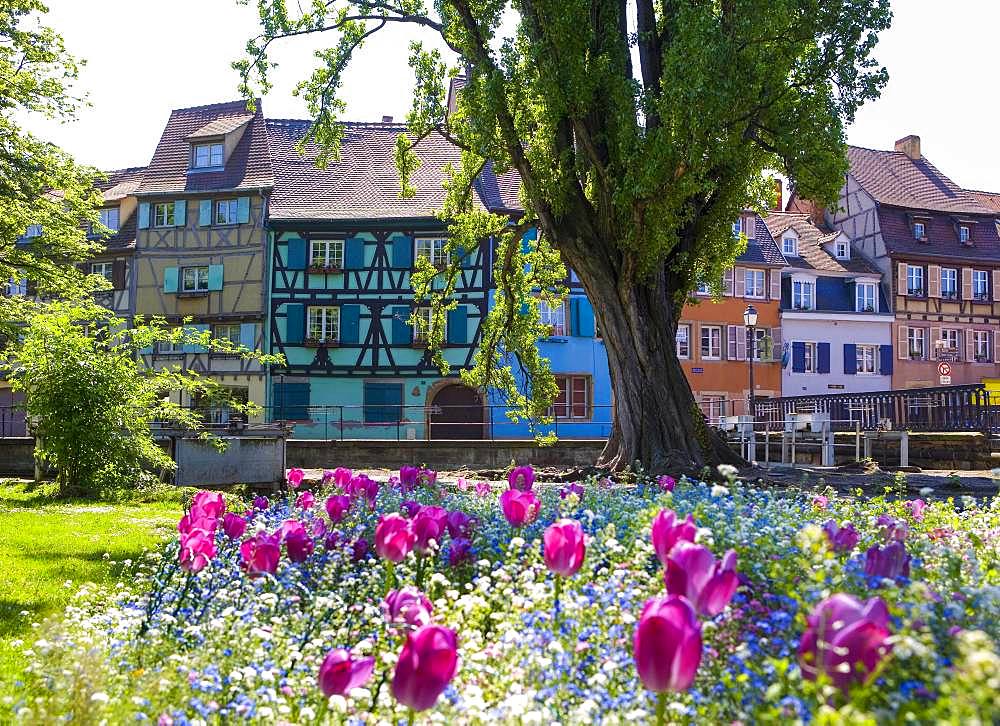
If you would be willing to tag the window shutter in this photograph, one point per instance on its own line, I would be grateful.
(776, 344)
(205, 213)
(248, 335)
(934, 281)
(118, 274)
(350, 323)
(730, 352)
(194, 347)
(290, 401)
(902, 282)
(296, 253)
(727, 282)
(776, 285)
(741, 282)
(970, 345)
(995, 339)
(850, 359)
(469, 258)
(144, 215)
(932, 343)
(402, 332)
(243, 210)
(402, 253)
(526, 239)
(354, 253)
(741, 342)
(885, 360)
(798, 357)
(215, 277)
(180, 213)
(966, 283)
(170, 275)
(996, 285)
(295, 323)
(822, 357)
(458, 325)
(586, 327)
(902, 344)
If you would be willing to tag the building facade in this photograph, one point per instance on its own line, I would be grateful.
(116, 262)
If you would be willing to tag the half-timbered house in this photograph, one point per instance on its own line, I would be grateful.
(116, 261)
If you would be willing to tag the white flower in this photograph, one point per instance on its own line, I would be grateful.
(718, 490)
(100, 697)
(306, 713)
(727, 470)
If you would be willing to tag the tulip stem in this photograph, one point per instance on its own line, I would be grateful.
(390, 575)
(409, 717)
(661, 708)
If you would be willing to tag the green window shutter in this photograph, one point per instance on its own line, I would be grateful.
(527, 238)
(180, 213)
(383, 402)
(215, 277)
(144, 215)
(248, 335)
(296, 253)
(194, 347)
(350, 323)
(205, 213)
(290, 401)
(402, 333)
(170, 275)
(354, 253)
(402, 253)
(458, 324)
(243, 210)
(295, 328)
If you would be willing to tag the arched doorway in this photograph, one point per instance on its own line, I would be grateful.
(456, 413)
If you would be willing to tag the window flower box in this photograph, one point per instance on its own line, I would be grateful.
(317, 343)
(325, 270)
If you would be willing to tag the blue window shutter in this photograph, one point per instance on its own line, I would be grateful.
(215, 277)
(850, 359)
(885, 362)
(798, 357)
(354, 253)
(205, 213)
(170, 275)
(458, 325)
(295, 327)
(144, 215)
(574, 315)
(383, 402)
(350, 323)
(194, 347)
(402, 253)
(243, 210)
(583, 318)
(527, 238)
(180, 213)
(402, 333)
(822, 357)
(469, 258)
(296, 253)
(290, 401)
(248, 335)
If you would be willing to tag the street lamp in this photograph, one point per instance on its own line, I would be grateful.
(750, 320)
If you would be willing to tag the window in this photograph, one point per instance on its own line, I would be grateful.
(711, 342)
(963, 234)
(915, 280)
(16, 287)
(383, 403)
(790, 246)
(683, 341)
(810, 359)
(802, 295)
(754, 283)
(737, 229)
(553, 316)
(714, 407)
(327, 253)
(104, 269)
(422, 331)
(227, 331)
(980, 285)
(194, 279)
(573, 401)
(867, 357)
(843, 250)
(218, 411)
(949, 283)
(324, 324)
(169, 347)
(949, 341)
(758, 350)
(981, 345)
(866, 297)
(207, 155)
(33, 230)
(915, 342)
(433, 251)
(703, 289)
(109, 218)
(919, 231)
(226, 211)
(163, 214)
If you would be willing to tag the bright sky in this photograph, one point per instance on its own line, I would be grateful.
(142, 65)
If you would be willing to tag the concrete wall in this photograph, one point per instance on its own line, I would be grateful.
(17, 456)
(836, 330)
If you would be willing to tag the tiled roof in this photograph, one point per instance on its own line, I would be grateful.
(248, 166)
(813, 255)
(990, 200)
(121, 183)
(364, 182)
(891, 177)
(941, 231)
(220, 126)
(761, 248)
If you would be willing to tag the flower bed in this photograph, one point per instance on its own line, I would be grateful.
(366, 601)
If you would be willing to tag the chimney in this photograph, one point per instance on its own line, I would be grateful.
(388, 120)
(909, 145)
(778, 191)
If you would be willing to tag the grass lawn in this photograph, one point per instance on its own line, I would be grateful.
(47, 543)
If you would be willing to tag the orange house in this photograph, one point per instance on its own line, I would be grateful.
(712, 341)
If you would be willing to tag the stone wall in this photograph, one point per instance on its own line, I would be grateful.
(965, 451)
(17, 457)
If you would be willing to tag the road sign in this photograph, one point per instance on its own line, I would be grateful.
(944, 370)
(945, 380)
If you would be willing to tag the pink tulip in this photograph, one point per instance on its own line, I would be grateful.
(460, 524)
(426, 665)
(359, 549)
(260, 554)
(893, 530)
(408, 478)
(210, 505)
(667, 644)
(337, 507)
(916, 507)
(341, 673)
(459, 551)
(189, 523)
(318, 527)
(197, 550)
(574, 489)
(363, 486)
(845, 639)
(341, 477)
(427, 477)
(820, 501)
(483, 489)
(394, 538)
(668, 530)
(305, 500)
(666, 483)
(298, 543)
(842, 539)
(519, 507)
(890, 562)
(407, 606)
(462, 484)
(521, 477)
(295, 477)
(693, 572)
(564, 547)
(234, 525)
(428, 525)
(410, 507)
(261, 503)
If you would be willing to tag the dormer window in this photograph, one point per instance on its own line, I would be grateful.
(34, 230)
(790, 246)
(919, 231)
(843, 250)
(737, 229)
(206, 156)
(964, 234)
(109, 218)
